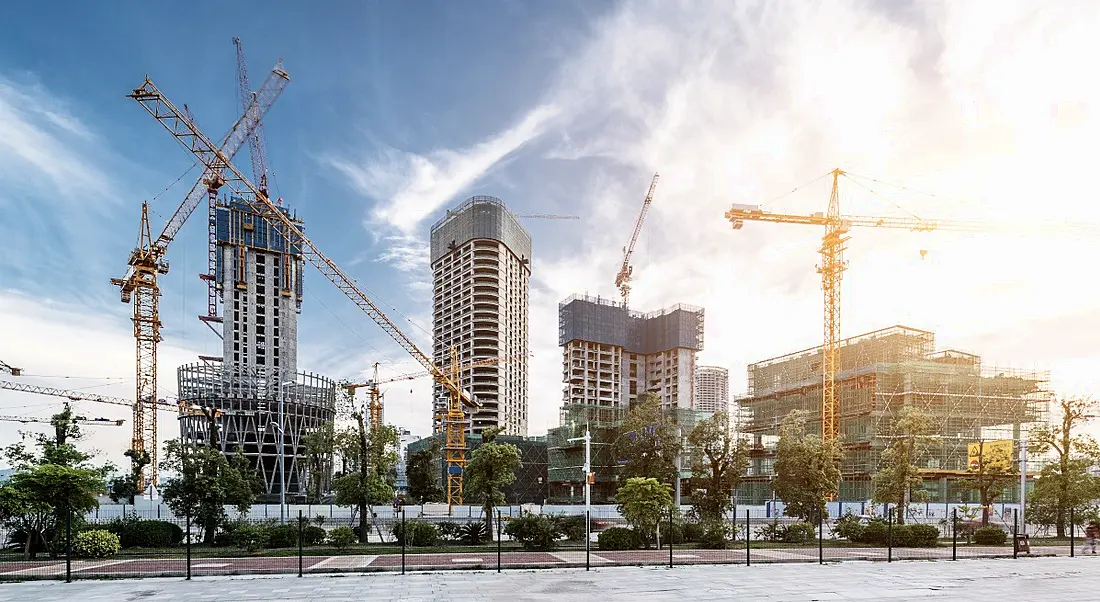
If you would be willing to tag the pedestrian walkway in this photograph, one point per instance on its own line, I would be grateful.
(1027, 579)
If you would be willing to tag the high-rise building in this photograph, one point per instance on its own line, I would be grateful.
(712, 389)
(610, 356)
(263, 401)
(481, 265)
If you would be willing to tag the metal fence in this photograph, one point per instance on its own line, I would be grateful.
(399, 542)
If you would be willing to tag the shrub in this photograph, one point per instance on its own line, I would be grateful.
(798, 533)
(95, 544)
(312, 535)
(251, 537)
(713, 536)
(990, 536)
(693, 531)
(874, 532)
(449, 530)
(135, 533)
(676, 534)
(534, 531)
(619, 538)
(420, 533)
(282, 536)
(571, 527)
(224, 537)
(474, 533)
(848, 527)
(342, 537)
(771, 531)
(924, 536)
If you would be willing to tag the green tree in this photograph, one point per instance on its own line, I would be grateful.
(37, 501)
(719, 460)
(320, 446)
(1058, 495)
(995, 471)
(649, 441)
(127, 487)
(1068, 444)
(807, 470)
(422, 470)
(492, 466)
(370, 460)
(899, 468)
(642, 502)
(207, 481)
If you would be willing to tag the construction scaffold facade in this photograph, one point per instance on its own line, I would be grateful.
(880, 373)
(247, 416)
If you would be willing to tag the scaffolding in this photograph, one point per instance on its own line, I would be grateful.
(880, 373)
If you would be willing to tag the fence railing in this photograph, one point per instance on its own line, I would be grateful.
(78, 548)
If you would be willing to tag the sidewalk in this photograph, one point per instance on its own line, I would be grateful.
(1026, 579)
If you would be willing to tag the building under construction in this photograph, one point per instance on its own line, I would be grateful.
(880, 373)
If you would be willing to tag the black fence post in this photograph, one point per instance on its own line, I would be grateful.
(188, 521)
(498, 540)
(1072, 545)
(301, 530)
(821, 537)
(889, 535)
(588, 540)
(955, 534)
(1015, 532)
(748, 539)
(68, 545)
(670, 538)
(404, 538)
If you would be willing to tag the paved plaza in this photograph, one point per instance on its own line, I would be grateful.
(987, 579)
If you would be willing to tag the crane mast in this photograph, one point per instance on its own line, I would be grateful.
(257, 142)
(626, 271)
(147, 261)
(216, 161)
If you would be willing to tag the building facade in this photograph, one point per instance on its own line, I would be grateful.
(262, 401)
(610, 356)
(712, 389)
(481, 267)
(880, 373)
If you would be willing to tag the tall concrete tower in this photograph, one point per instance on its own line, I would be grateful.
(712, 389)
(481, 263)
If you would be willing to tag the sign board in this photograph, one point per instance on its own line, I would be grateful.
(995, 455)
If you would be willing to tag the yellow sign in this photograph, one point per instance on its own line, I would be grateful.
(995, 455)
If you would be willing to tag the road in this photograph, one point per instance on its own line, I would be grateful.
(987, 579)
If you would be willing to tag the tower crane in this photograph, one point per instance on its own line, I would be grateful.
(833, 265)
(622, 279)
(257, 142)
(78, 420)
(10, 369)
(147, 261)
(216, 161)
(376, 394)
(161, 404)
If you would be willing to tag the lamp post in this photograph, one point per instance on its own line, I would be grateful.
(282, 449)
(587, 438)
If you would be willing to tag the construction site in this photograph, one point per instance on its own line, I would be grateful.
(880, 373)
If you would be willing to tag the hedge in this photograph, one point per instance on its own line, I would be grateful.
(95, 544)
(534, 531)
(990, 536)
(136, 533)
(619, 538)
(420, 533)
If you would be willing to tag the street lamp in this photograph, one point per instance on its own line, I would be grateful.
(587, 438)
(282, 449)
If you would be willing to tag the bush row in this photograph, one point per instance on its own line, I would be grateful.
(878, 533)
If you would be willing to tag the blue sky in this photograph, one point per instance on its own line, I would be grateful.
(396, 112)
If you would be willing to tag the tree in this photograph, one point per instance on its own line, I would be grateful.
(1063, 494)
(899, 470)
(994, 471)
(37, 501)
(372, 475)
(642, 502)
(1069, 445)
(719, 460)
(648, 441)
(320, 445)
(207, 482)
(127, 487)
(807, 470)
(492, 466)
(422, 474)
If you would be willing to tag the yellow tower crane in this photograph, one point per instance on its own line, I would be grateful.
(832, 267)
(147, 261)
(216, 161)
(626, 271)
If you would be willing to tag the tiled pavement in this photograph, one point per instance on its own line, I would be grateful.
(1025, 579)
